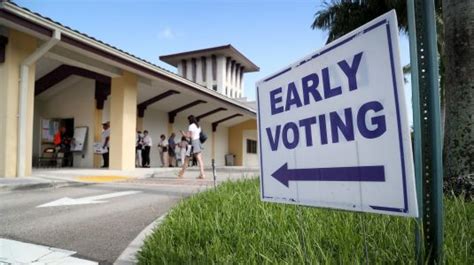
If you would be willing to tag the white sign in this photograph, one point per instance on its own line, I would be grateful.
(87, 200)
(333, 127)
(98, 148)
(80, 134)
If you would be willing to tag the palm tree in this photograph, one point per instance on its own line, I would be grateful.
(458, 18)
(339, 17)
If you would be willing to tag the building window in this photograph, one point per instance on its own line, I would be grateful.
(251, 146)
(226, 91)
(185, 68)
(214, 87)
(214, 67)
(204, 68)
(193, 66)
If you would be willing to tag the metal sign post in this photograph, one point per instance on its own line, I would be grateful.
(427, 130)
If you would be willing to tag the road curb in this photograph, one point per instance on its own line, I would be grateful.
(128, 256)
(30, 186)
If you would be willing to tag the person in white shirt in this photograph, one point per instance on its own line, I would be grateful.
(138, 149)
(147, 143)
(194, 130)
(105, 143)
(163, 150)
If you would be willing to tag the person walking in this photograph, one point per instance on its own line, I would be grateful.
(138, 149)
(183, 147)
(147, 143)
(163, 149)
(193, 133)
(172, 150)
(105, 143)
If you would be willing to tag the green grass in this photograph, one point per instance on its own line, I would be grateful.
(231, 225)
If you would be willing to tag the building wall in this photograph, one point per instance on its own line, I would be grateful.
(18, 48)
(156, 122)
(77, 102)
(249, 160)
(229, 78)
(236, 143)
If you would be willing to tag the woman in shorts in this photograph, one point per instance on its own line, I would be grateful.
(194, 130)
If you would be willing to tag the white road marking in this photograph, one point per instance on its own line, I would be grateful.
(16, 252)
(87, 200)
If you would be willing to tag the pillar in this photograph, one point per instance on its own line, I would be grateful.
(199, 71)
(19, 46)
(97, 135)
(123, 115)
(180, 68)
(221, 74)
(209, 80)
(227, 71)
(170, 128)
(237, 78)
(242, 83)
(189, 69)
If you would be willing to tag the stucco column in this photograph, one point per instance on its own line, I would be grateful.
(189, 69)
(199, 71)
(237, 79)
(18, 48)
(180, 68)
(123, 115)
(228, 72)
(209, 80)
(221, 74)
(242, 92)
(97, 135)
(170, 128)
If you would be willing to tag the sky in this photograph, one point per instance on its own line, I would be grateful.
(271, 33)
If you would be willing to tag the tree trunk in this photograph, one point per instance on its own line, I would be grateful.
(459, 94)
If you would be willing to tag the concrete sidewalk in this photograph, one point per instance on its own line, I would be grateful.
(61, 177)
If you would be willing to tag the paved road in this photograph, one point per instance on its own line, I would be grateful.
(98, 232)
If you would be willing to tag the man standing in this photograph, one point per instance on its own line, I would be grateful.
(138, 148)
(105, 143)
(172, 150)
(146, 149)
(163, 149)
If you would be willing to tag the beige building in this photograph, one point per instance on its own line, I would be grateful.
(51, 75)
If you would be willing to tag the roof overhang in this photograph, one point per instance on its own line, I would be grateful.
(226, 51)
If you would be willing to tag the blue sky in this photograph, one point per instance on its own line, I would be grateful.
(271, 33)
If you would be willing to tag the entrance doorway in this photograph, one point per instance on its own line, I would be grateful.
(55, 145)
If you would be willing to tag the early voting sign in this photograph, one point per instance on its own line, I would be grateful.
(333, 127)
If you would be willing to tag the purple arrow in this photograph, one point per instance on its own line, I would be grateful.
(363, 173)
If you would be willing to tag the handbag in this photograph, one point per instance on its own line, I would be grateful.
(202, 137)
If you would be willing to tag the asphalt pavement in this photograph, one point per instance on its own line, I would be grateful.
(98, 221)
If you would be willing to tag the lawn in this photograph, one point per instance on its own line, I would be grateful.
(231, 225)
